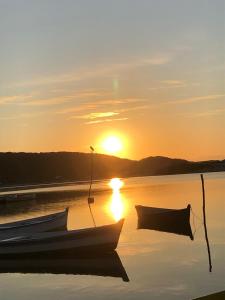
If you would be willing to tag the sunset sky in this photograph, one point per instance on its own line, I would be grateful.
(151, 73)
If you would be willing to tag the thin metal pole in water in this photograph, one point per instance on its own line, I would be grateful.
(204, 220)
(91, 199)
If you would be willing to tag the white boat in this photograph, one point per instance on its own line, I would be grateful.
(52, 222)
(87, 240)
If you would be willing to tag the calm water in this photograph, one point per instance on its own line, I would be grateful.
(159, 265)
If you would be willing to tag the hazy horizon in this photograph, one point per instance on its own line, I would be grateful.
(149, 72)
(117, 156)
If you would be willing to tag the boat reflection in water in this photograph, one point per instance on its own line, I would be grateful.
(106, 264)
(116, 205)
(175, 221)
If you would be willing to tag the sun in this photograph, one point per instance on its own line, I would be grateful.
(116, 184)
(112, 144)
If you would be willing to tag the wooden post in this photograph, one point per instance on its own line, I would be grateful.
(204, 220)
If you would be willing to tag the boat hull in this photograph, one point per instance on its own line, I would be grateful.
(175, 221)
(52, 222)
(90, 240)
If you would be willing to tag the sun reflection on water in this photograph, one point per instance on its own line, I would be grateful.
(116, 205)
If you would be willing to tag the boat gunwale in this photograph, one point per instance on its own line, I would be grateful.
(33, 221)
(158, 210)
(51, 236)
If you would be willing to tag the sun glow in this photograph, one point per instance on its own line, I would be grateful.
(112, 144)
(116, 184)
(117, 205)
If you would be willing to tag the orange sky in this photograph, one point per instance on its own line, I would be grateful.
(151, 74)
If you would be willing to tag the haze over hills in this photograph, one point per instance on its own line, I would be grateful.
(31, 168)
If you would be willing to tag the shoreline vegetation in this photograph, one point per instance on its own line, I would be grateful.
(56, 168)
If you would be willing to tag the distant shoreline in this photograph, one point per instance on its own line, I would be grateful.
(66, 168)
(31, 188)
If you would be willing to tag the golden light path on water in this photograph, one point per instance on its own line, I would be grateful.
(117, 204)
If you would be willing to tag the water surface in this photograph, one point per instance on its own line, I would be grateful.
(159, 265)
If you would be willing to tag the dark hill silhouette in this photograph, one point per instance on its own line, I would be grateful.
(29, 168)
(159, 165)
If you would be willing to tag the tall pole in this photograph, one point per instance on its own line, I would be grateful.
(91, 176)
(204, 220)
(91, 199)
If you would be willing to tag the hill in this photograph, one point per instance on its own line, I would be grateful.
(31, 168)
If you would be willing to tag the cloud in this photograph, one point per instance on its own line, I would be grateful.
(64, 98)
(36, 100)
(173, 82)
(169, 84)
(78, 108)
(13, 98)
(97, 71)
(139, 107)
(108, 116)
(23, 116)
(47, 102)
(97, 115)
(119, 101)
(157, 60)
(220, 67)
(197, 99)
(106, 120)
(100, 104)
(208, 113)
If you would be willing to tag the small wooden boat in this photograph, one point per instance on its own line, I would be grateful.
(52, 222)
(88, 240)
(106, 264)
(167, 220)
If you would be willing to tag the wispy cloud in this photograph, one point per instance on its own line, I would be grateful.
(97, 115)
(13, 98)
(64, 98)
(220, 67)
(137, 107)
(23, 116)
(169, 84)
(35, 99)
(119, 101)
(196, 99)
(97, 104)
(157, 60)
(208, 113)
(106, 120)
(109, 116)
(98, 71)
(77, 108)
(47, 102)
(173, 82)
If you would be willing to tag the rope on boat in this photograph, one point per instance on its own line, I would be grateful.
(194, 216)
(92, 214)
